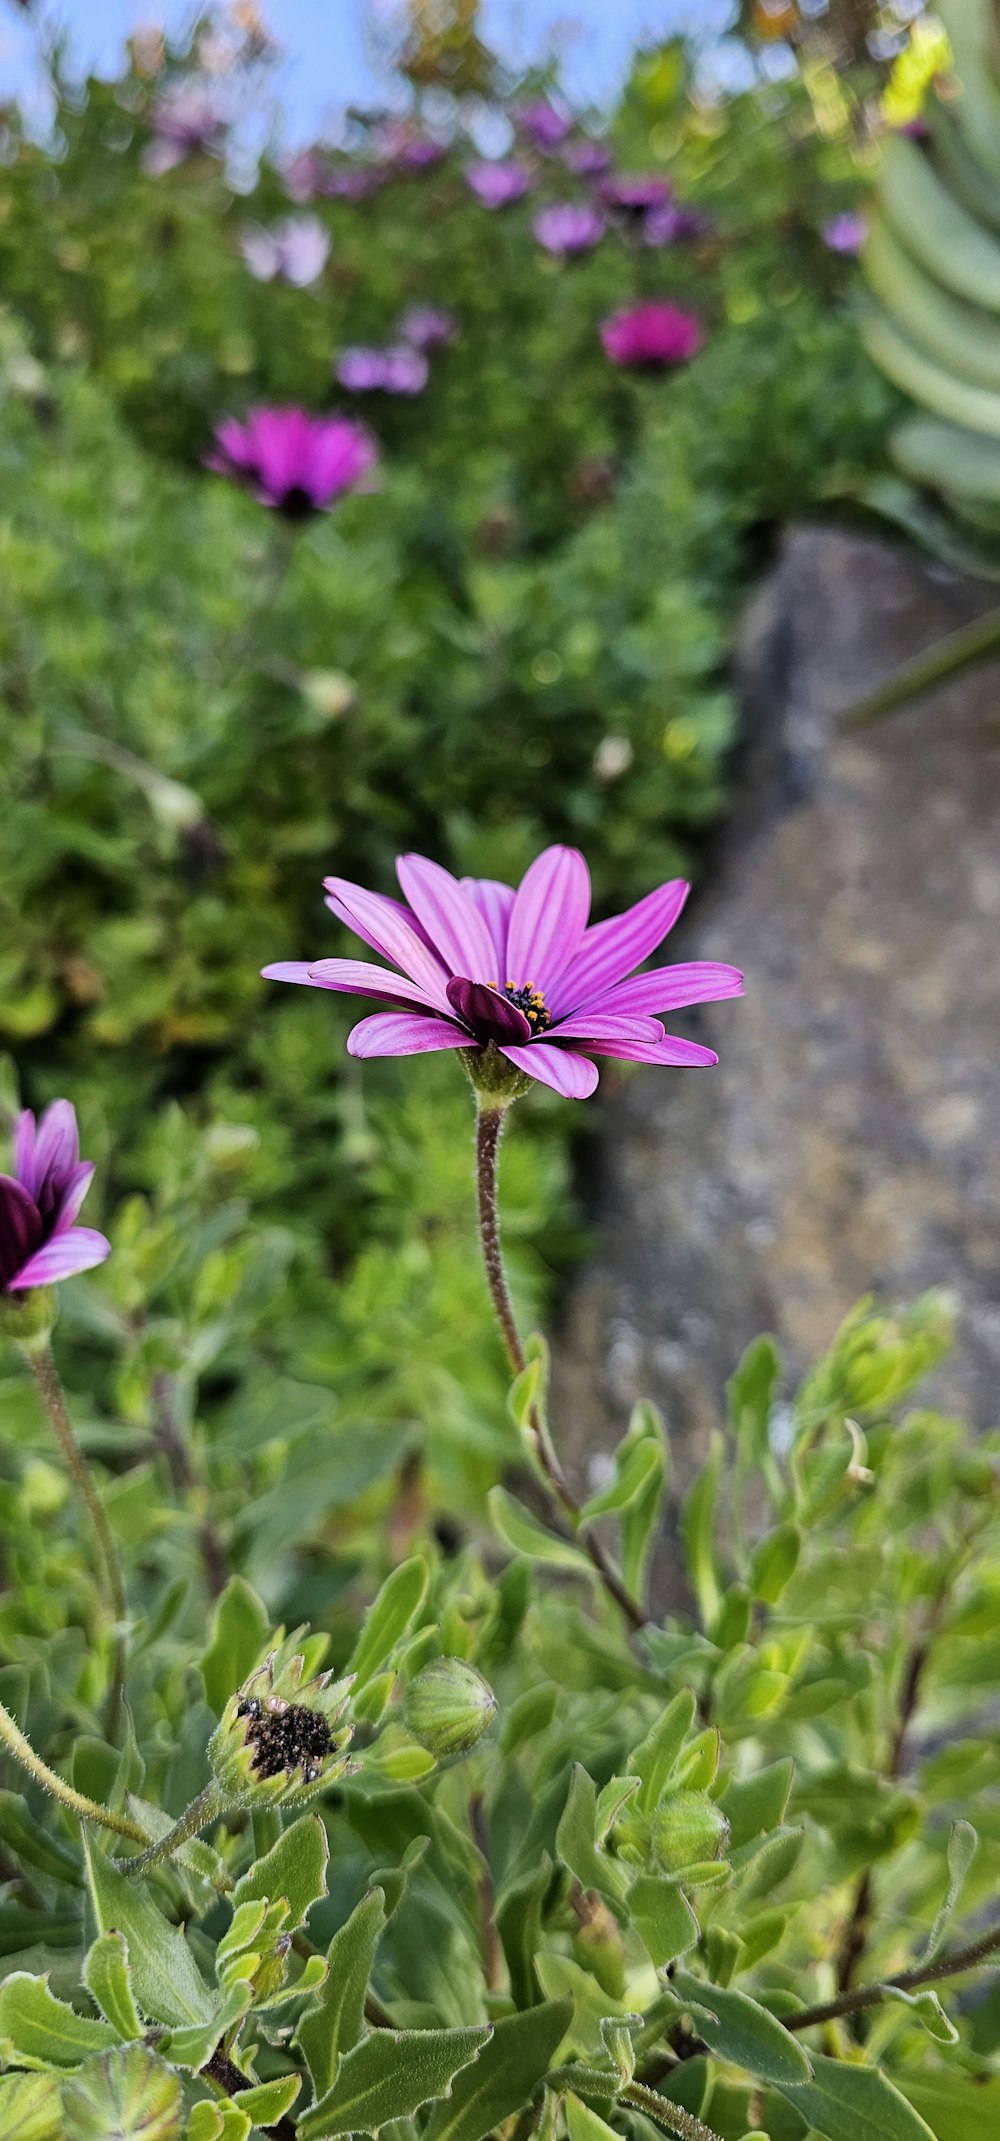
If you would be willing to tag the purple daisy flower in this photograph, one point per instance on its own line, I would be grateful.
(845, 233)
(294, 251)
(397, 142)
(497, 184)
(294, 462)
(480, 965)
(544, 124)
(634, 193)
(587, 159)
(398, 369)
(569, 227)
(651, 337)
(670, 225)
(185, 121)
(428, 327)
(39, 1242)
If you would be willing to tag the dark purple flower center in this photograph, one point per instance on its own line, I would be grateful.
(285, 1736)
(531, 1001)
(296, 503)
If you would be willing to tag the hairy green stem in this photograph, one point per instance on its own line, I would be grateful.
(489, 1126)
(207, 1807)
(88, 1809)
(953, 1963)
(38, 1354)
(672, 2116)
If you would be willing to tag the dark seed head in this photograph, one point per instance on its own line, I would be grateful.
(286, 1737)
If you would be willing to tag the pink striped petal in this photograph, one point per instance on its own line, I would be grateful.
(452, 921)
(670, 988)
(561, 1068)
(24, 1152)
(298, 970)
(600, 1025)
(393, 907)
(611, 949)
(358, 977)
(20, 1227)
(496, 905)
(385, 926)
(62, 1258)
(401, 1033)
(73, 1196)
(548, 919)
(490, 1016)
(671, 1052)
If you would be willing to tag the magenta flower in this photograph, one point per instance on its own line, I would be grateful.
(292, 461)
(497, 184)
(634, 193)
(479, 965)
(845, 233)
(399, 369)
(651, 337)
(569, 227)
(544, 124)
(295, 250)
(39, 1203)
(428, 327)
(586, 159)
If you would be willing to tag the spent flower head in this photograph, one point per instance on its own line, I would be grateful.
(281, 1738)
(40, 1242)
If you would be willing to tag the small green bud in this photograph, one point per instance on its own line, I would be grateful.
(275, 1743)
(448, 1706)
(28, 1318)
(687, 1829)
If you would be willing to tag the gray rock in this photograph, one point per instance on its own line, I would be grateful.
(849, 1139)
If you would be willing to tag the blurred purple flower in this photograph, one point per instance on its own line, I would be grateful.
(652, 336)
(185, 121)
(428, 327)
(303, 175)
(569, 227)
(352, 182)
(39, 1242)
(845, 233)
(497, 184)
(482, 966)
(670, 225)
(295, 250)
(397, 369)
(634, 193)
(294, 462)
(586, 159)
(398, 142)
(544, 124)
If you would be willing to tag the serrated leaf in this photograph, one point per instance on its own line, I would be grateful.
(740, 2030)
(505, 2076)
(576, 1846)
(655, 1756)
(267, 2102)
(389, 2075)
(31, 2108)
(333, 2022)
(389, 1617)
(522, 1532)
(240, 1629)
(37, 2030)
(192, 2044)
(662, 1917)
(851, 2103)
(294, 1869)
(166, 1981)
(107, 1979)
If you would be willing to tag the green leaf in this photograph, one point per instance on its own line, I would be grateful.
(963, 1843)
(850, 2103)
(654, 1758)
(559, 1978)
(754, 1806)
(774, 1561)
(167, 1983)
(957, 2107)
(584, 2124)
(294, 1869)
(928, 2011)
(750, 1395)
(576, 1846)
(33, 1845)
(522, 1532)
(639, 1517)
(739, 2029)
(388, 2076)
(333, 2021)
(192, 2043)
(268, 2101)
(128, 2095)
(529, 1389)
(662, 1917)
(635, 1470)
(106, 1976)
(505, 2076)
(31, 2108)
(240, 1629)
(388, 1619)
(698, 1533)
(37, 2030)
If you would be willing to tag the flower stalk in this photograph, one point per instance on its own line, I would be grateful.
(209, 1805)
(13, 1738)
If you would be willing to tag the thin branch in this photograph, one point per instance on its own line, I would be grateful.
(953, 1963)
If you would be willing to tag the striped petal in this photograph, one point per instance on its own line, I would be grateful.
(393, 907)
(670, 1052)
(567, 1073)
(611, 949)
(62, 1258)
(385, 926)
(24, 1152)
(496, 905)
(73, 1196)
(548, 919)
(670, 988)
(20, 1227)
(600, 1025)
(401, 1033)
(358, 977)
(452, 921)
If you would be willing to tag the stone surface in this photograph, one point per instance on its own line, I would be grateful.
(849, 1140)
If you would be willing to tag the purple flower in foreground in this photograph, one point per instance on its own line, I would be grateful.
(399, 369)
(428, 326)
(39, 1242)
(292, 461)
(586, 159)
(569, 227)
(634, 193)
(496, 185)
(845, 233)
(480, 965)
(185, 120)
(544, 124)
(295, 251)
(651, 337)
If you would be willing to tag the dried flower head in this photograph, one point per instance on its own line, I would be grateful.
(280, 1739)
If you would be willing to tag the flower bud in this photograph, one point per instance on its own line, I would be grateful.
(275, 1743)
(448, 1706)
(688, 1828)
(28, 1317)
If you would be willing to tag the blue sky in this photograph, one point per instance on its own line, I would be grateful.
(327, 60)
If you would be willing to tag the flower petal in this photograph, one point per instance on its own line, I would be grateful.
(561, 1068)
(596, 1024)
(73, 1196)
(670, 988)
(386, 926)
(57, 1145)
(401, 1033)
(492, 1017)
(79, 1250)
(671, 1052)
(495, 903)
(24, 1151)
(453, 922)
(20, 1227)
(298, 970)
(611, 949)
(549, 918)
(357, 977)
